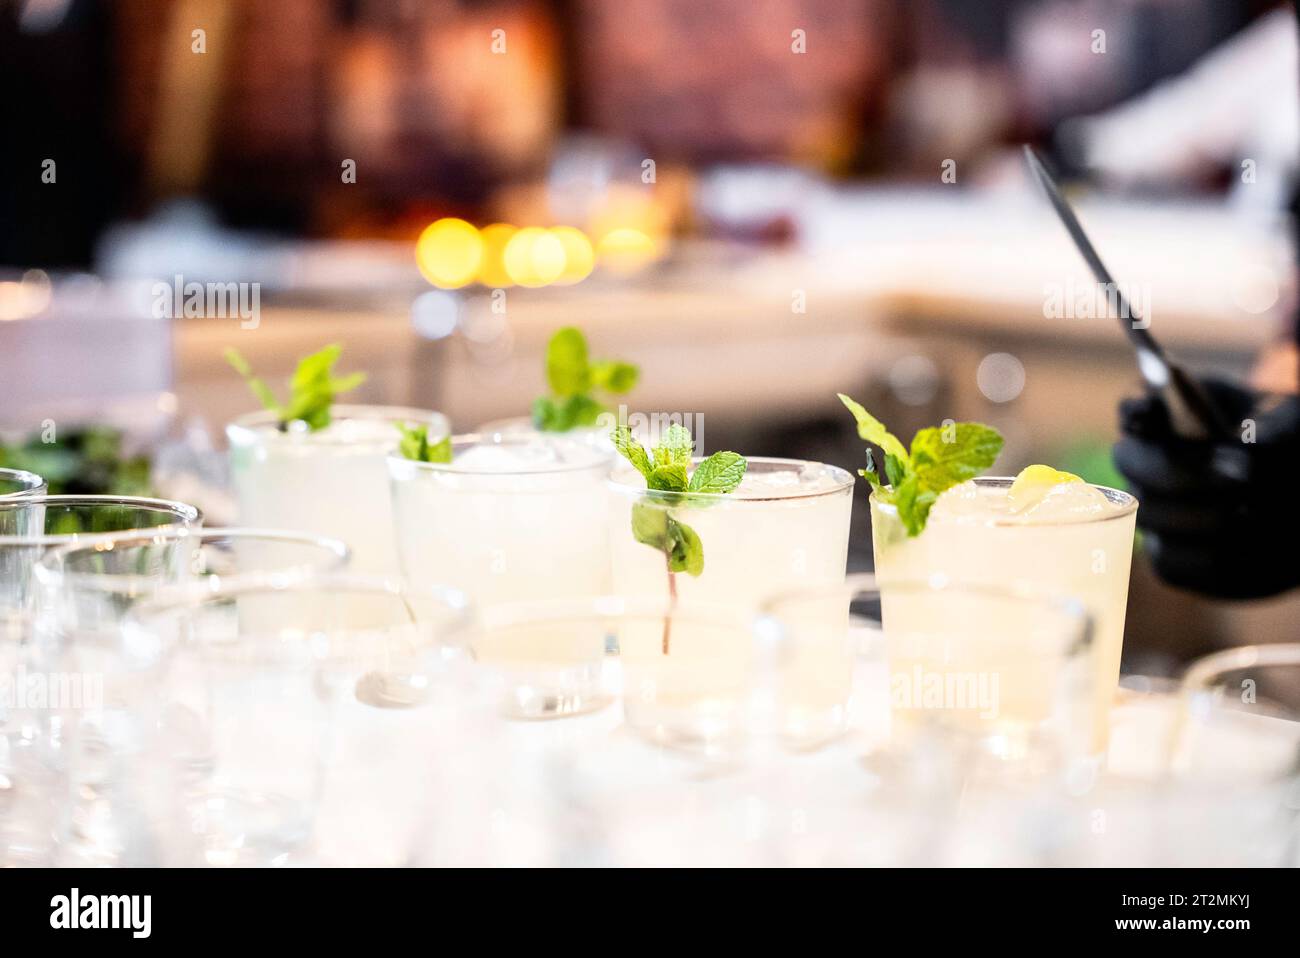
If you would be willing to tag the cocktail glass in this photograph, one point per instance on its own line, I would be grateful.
(513, 519)
(1086, 557)
(1003, 672)
(785, 528)
(332, 482)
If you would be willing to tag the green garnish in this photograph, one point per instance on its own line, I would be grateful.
(666, 469)
(415, 444)
(83, 461)
(940, 457)
(311, 391)
(573, 379)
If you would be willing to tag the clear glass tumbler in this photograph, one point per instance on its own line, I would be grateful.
(332, 482)
(513, 519)
(90, 586)
(1004, 671)
(1222, 788)
(1083, 558)
(269, 699)
(30, 723)
(785, 528)
(16, 483)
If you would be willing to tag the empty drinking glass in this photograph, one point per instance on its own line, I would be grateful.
(267, 688)
(30, 722)
(89, 587)
(16, 483)
(1235, 754)
(1208, 775)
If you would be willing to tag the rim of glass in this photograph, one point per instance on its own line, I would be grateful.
(512, 425)
(263, 422)
(193, 595)
(49, 569)
(844, 480)
(1201, 673)
(1126, 500)
(1200, 678)
(596, 460)
(865, 583)
(189, 516)
(33, 484)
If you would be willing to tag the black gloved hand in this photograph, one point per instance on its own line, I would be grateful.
(1221, 518)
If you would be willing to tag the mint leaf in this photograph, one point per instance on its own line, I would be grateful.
(614, 376)
(572, 377)
(415, 444)
(582, 410)
(561, 415)
(567, 370)
(440, 451)
(631, 450)
(311, 391)
(675, 447)
(940, 458)
(873, 430)
(943, 464)
(546, 414)
(668, 470)
(650, 525)
(895, 470)
(720, 473)
(913, 503)
(686, 551)
(669, 478)
(260, 389)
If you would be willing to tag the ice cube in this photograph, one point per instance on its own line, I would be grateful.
(775, 483)
(1069, 502)
(758, 485)
(965, 501)
(507, 458)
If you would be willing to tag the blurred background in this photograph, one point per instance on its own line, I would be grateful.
(761, 202)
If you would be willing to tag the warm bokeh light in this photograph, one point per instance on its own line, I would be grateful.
(492, 269)
(627, 250)
(579, 257)
(534, 257)
(629, 207)
(25, 299)
(449, 252)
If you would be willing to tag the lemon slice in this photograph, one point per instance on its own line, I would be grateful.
(1034, 483)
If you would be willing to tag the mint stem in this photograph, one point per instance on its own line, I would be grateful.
(672, 601)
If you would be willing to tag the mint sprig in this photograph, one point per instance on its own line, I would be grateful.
(667, 469)
(415, 444)
(311, 391)
(939, 458)
(575, 380)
